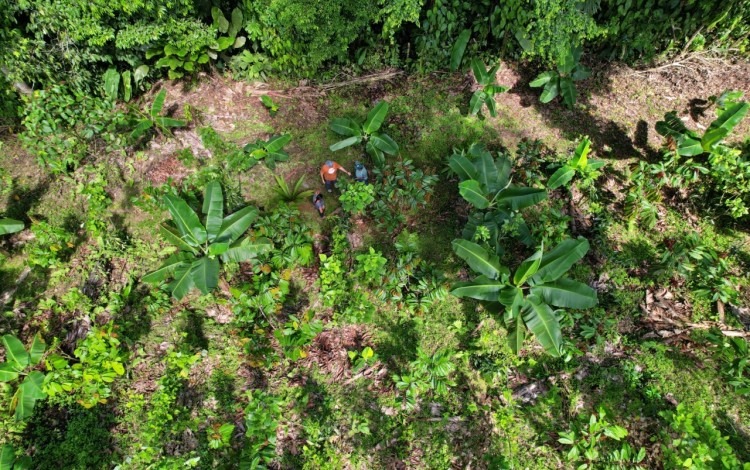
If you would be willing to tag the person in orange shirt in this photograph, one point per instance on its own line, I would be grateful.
(328, 174)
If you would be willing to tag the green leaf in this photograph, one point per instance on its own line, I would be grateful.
(7, 457)
(375, 117)
(476, 102)
(27, 394)
(542, 79)
(567, 62)
(459, 48)
(566, 293)
(561, 177)
(183, 282)
(472, 191)
(491, 106)
(724, 124)
(345, 143)
(462, 167)
(111, 83)
(38, 346)
(550, 92)
(247, 250)
(236, 23)
(616, 432)
(541, 320)
(518, 197)
(345, 126)
(205, 273)
(10, 226)
(158, 103)
(516, 334)
(236, 224)
(568, 91)
(171, 235)
(168, 122)
(186, 220)
(384, 143)
(481, 288)
(220, 21)
(140, 73)
(580, 158)
(15, 353)
(688, 147)
(216, 249)
(480, 72)
(174, 263)
(213, 209)
(581, 73)
(479, 259)
(141, 128)
(127, 85)
(8, 373)
(528, 267)
(558, 261)
(277, 142)
(486, 171)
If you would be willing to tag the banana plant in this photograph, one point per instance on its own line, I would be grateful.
(20, 363)
(152, 119)
(10, 226)
(377, 144)
(528, 295)
(688, 143)
(562, 81)
(485, 95)
(579, 164)
(486, 185)
(8, 460)
(203, 246)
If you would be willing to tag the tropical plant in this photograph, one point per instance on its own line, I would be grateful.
(8, 460)
(733, 356)
(429, 372)
(10, 226)
(486, 185)
(262, 416)
(377, 144)
(219, 435)
(20, 363)
(562, 80)
(356, 197)
(587, 442)
(152, 119)
(578, 165)
(459, 47)
(485, 95)
(113, 80)
(294, 192)
(270, 104)
(537, 283)
(296, 334)
(203, 246)
(362, 359)
(268, 151)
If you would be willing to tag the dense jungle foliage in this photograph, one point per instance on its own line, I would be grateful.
(536, 254)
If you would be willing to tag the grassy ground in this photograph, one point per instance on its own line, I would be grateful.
(197, 364)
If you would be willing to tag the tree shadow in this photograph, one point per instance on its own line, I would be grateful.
(192, 326)
(400, 345)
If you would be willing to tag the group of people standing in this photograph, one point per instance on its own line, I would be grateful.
(329, 175)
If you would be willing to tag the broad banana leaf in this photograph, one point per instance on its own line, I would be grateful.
(459, 48)
(111, 83)
(277, 142)
(8, 373)
(580, 158)
(170, 234)
(247, 250)
(542, 79)
(15, 353)
(375, 117)
(37, 349)
(10, 226)
(561, 177)
(541, 320)
(528, 267)
(174, 263)
(345, 143)
(688, 147)
(551, 90)
(462, 167)
(566, 293)
(518, 197)
(472, 191)
(504, 167)
(481, 288)
(480, 73)
(476, 102)
(516, 334)
(186, 220)
(345, 126)
(183, 282)
(213, 209)
(236, 224)
(205, 273)
(158, 103)
(479, 259)
(559, 260)
(724, 124)
(489, 100)
(27, 394)
(568, 91)
(385, 143)
(486, 171)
